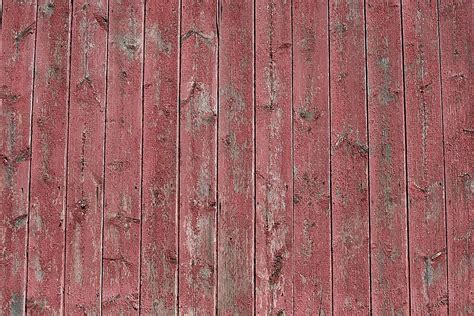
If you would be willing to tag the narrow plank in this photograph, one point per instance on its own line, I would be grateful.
(122, 208)
(16, 87)
(48, 164)
(312, 209)
(235, 159)
(427, 234)
(349, 158)
(274, 178)
(388, 208)
(159, 226)
(85, 157)
(198, 142)
(456, 38)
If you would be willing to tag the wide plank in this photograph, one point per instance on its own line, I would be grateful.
(85, 158)
(17, 33)
(274, 166)
(198, 148)
(235, 285)
(47, 218)
(456, 38)
(159, 251)
(427, 229)
(312, 204)
(388, 202)
(349, 158)
(123, 145)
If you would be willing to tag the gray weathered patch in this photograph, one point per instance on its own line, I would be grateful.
(154, 35)
(16, 304)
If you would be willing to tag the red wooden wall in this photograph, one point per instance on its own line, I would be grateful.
(270, 157)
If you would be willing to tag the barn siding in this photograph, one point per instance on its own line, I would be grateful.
(270, 157)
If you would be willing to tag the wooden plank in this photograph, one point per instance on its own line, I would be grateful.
(456, 38)
(427, 234)
(17, 47)
(198, 142)
(235, 159)
(122, 208)
(48, 165)
(85, 157)
(388, 207)
(349, 158)
(159, 226)
(251, 179)
(312, 221)
(274, 166)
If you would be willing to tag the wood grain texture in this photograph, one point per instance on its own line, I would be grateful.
(312, 209)
(235, 159)
(456, 38)
(122, 208)
(267, 157)
(274, 170)
(85, 158)
(349, 158)
(427, 230)
(388, 207)
(48, 161)
(160, 155)
(198, 148)
(18, 31)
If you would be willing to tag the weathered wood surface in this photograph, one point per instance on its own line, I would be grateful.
(235, 250)
(312, 221)
(47, 212)
(456, 39)
(273, 149)
(349, 158)
(425, 181)
(387, 181)
(159, 261)
(198, 148)
(85, 158)
(123, 158)
(267, 157)
(18, 33)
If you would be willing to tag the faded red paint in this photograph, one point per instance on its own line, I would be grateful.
(388, 204)
(456, 38)
(349, 158)
(235, 157)
(198, 145)
(274, 186)
(48, 161)
(123, 144)
(17, 48)
(312, 209)
(159, 239)
(85, 158)
(426, 222)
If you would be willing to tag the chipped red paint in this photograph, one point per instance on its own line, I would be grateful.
(17, 48)
(456, 39)
(122, 206)
(198, 144)
(274, 202)
(269, 157)
(159, 240)
(85, 158)
(388, 204)
(235, 159)
(48, 161)
(312, 209)
(426, 222)
(349, 158)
